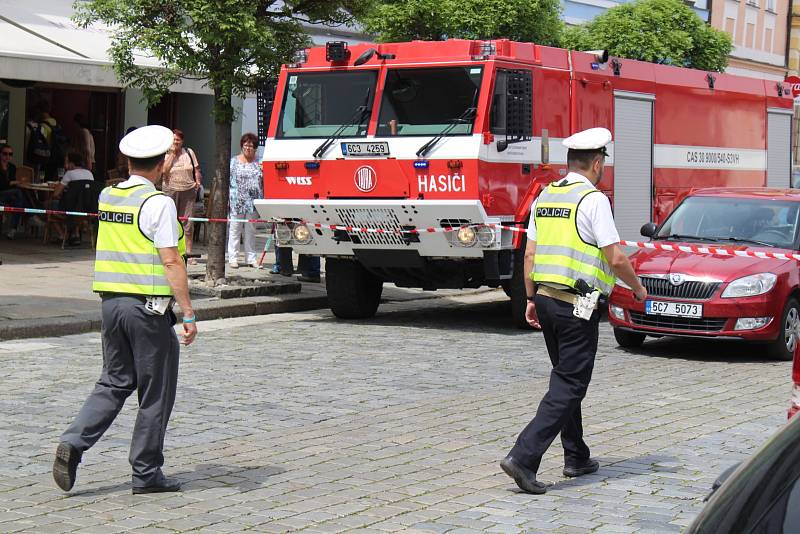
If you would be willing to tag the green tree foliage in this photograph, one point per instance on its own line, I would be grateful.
(233, 44)
(660, 31)
(434, 20)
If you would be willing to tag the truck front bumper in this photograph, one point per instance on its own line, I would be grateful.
(341, 227)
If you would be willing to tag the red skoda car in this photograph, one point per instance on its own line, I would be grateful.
(722, 297)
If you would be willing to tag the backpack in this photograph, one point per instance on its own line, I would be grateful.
(59, 145)
(38, 146)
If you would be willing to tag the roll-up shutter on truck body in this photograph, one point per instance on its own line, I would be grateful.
(779, 146)
(633, 162)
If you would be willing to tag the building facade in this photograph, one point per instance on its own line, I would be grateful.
(45, 57)
(580, 11)
(759, 29)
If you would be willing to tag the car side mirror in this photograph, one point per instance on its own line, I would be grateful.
(649, 229)
(725, 475)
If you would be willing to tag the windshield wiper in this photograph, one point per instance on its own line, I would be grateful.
(362, 111)
(686, 237)
(468, 114)
(745, 240)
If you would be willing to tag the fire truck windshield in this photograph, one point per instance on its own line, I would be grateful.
(318, 104)
(424, 102)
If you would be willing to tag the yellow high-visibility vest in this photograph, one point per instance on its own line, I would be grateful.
(562, 257)
(127, 261)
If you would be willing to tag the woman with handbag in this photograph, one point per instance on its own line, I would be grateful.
(181, 180)
(246, 186)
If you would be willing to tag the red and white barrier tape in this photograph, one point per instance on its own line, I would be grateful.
(689, 249)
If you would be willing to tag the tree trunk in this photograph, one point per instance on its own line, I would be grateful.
(215, 266)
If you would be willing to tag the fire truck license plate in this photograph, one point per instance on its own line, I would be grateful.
(365, 149)
(673, 309)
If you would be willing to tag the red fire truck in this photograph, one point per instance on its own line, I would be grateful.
(370, 147)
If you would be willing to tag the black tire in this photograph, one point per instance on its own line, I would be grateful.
(353, 291)
(782, 348)
(506, 285)
(627, 339)
(519, 298)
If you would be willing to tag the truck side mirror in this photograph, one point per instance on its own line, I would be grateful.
(649, 229)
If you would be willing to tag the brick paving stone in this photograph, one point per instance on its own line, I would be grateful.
(394, 424)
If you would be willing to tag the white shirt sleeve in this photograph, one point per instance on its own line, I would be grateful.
(158, 220)
(532, 222)
(595, 220)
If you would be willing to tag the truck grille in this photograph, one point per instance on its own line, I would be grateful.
(709, 324)
(383, 218)
(691, 290)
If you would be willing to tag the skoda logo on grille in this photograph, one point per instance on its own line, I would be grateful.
(676, 279)
(365, 179)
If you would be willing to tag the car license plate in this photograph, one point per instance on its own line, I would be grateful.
(673, 309)
(365, 149)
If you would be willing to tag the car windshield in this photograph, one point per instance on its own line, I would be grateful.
(426, 101)
(730, 220)
(317, 104)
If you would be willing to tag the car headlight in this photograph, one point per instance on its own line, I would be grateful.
(750, 286)
(301, 234)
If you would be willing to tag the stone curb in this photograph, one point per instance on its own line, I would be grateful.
(205, 310)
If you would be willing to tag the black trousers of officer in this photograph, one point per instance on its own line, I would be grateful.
(140, 353)
(572, 345)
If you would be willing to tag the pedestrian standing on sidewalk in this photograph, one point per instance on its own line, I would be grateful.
(139, 274)
(571, 238)
(246, 186)
(182, 178)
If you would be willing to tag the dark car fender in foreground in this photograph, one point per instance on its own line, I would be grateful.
(762, 495)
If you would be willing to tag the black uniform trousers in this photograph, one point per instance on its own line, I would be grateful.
(572, 345)
(140, 353)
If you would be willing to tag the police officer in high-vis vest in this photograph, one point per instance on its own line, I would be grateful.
(571, 238)
(139, 273)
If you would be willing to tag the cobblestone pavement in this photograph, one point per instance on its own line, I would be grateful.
(301, 422)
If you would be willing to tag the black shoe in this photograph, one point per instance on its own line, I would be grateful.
(165, 486)
(65, 466)
(310, 278)
(287, 273)
(524, 477)
(585, 468)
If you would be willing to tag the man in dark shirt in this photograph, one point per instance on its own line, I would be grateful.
(10, 196)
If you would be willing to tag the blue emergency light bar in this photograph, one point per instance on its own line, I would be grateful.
(422, 164)
(311, 165)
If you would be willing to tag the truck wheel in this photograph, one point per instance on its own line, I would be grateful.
(516, 291)
(627, 339)
(782, 348)
(353, 291)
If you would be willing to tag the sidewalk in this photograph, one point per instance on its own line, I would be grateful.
(47, 291)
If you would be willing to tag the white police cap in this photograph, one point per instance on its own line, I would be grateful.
(591, 139)
(146, 142)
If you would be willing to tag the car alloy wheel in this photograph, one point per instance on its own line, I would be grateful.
(791, 329)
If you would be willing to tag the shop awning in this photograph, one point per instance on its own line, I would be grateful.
(41, 43)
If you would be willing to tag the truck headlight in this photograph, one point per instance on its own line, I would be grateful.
(283, 234)
(301, 234)
(466, 236)
(485, 236)
(750, 286)
(617, 311)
